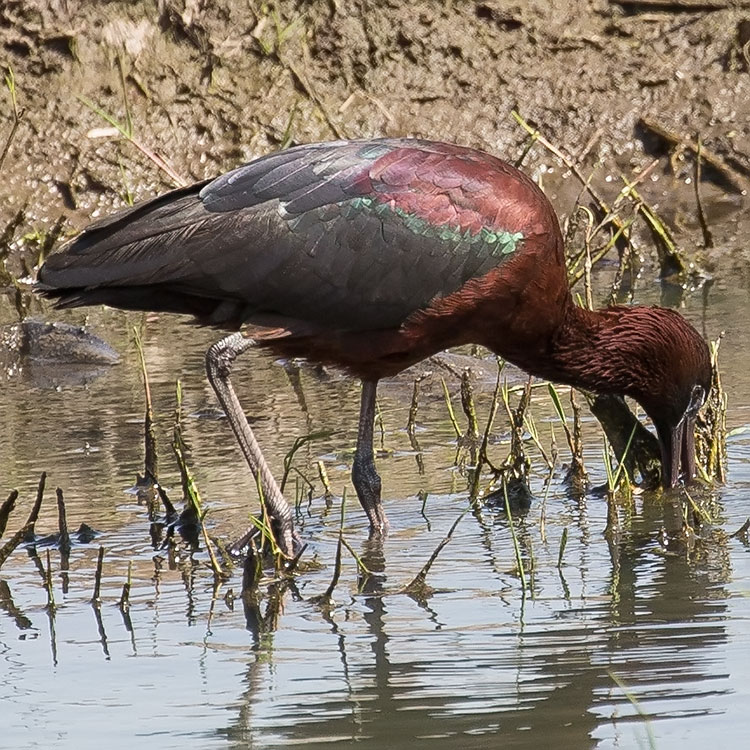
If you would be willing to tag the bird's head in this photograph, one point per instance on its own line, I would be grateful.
(672, 385)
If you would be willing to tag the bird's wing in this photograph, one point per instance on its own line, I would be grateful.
(352, 234)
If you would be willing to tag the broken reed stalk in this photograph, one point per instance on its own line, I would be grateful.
(26, 532)
(629, 694)
(516, 546)
(298, 443)
(613, 516)
(96, 597)
(517, 463)
(124, 603)
(263, 525)
(218, 571)
(619, 478)
(602, 206)
(64, 541)
(621, 234)
(738, 182)
(451, 412)
(193, 510)
(708, 240)
(326, 599)
(252, 569)
(34, 514)
(577, 475)
(587, 256)
(483, 457)
(169, 509)
(467, 402)
(643, 456)
(563, 545)
(528, 421)
(20, 536)
(10, 83)
(380, 424)
(557, 403)
(6, 509)
(670, 259)
(417, 585)
(151, 456)
(48, 585)
(161, 163)
(323, 475)
(363, 569)
(701, 513)
(711, 433)
(530, 141)
(411, 422)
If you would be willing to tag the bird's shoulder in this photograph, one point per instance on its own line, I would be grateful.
(442, 184)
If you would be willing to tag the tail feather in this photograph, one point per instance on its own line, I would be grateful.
(128, 248)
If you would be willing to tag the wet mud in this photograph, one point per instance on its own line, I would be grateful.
(205, 86)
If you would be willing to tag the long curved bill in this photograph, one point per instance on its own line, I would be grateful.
(678, 452)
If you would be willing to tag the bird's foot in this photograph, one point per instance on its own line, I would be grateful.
(367, 483)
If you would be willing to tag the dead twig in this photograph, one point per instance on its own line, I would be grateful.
(708, 240)
(10, 82)
(34, 514)
(680, 6)
(14, 541)
(64, 541)
(151, 455)
(305, 86)
(670, 260)
(738, 181)
(96, 598)
(6, 509)
(124, 603)
(126, 132)
(417, 587)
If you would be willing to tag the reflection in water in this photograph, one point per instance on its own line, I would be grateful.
(391, 670)
(477, 664)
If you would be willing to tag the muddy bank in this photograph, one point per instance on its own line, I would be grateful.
(208, 85)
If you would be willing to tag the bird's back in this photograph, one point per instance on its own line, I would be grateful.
(349, 235)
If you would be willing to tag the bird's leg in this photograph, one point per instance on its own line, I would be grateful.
(364, 475)
(219, 360)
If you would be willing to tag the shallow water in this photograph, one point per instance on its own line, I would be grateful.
(645, 640)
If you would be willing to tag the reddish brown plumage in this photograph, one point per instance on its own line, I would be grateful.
(372, 255)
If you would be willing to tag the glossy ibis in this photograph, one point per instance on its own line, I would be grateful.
(372, 255)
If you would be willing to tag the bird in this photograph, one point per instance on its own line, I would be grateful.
(371, 255)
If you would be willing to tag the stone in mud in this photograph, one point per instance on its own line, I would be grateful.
(56, 342)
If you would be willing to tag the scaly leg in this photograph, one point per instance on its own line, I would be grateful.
(364, 475)
(219, 360)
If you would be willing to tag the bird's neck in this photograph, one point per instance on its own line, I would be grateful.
(591, 350)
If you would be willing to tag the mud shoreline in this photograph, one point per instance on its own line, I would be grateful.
(207, 86)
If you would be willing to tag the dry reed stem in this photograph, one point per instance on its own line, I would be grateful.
(96, 596)
(6, 509)
(151, 455)
(14, 541)
(417, 587)
(124, 603)
(62, 521)
(738, 182)
(708, 240)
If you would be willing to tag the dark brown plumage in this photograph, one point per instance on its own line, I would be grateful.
(371, 255)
